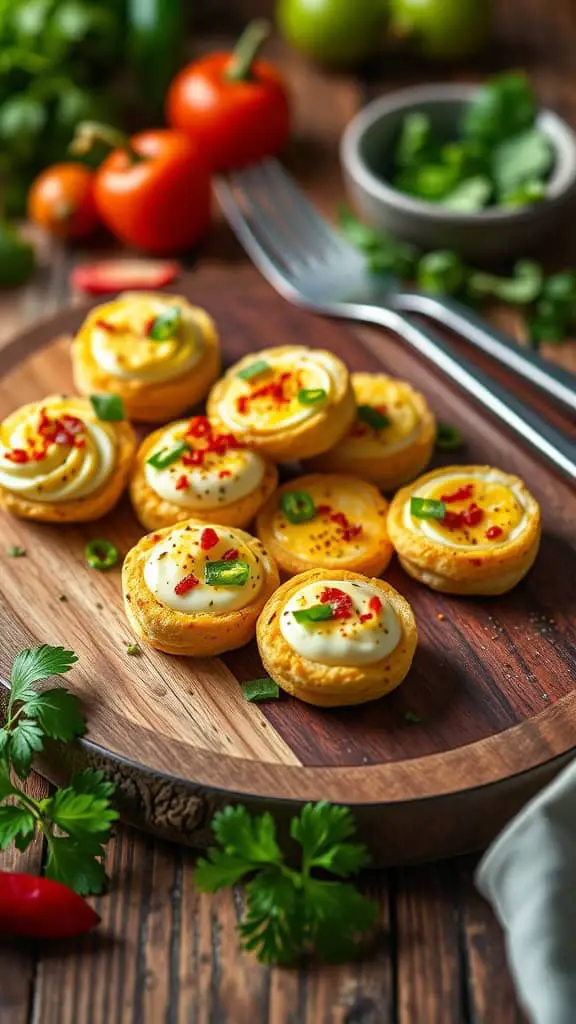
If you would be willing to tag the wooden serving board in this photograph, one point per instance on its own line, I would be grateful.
(492, 681)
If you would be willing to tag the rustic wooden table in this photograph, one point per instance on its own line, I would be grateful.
(164, 953)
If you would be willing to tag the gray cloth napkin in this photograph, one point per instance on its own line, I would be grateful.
(529, 877)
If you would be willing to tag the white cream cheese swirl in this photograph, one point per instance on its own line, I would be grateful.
(349, 642)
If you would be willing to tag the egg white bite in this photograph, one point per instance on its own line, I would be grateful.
(329, 520)
(189, 468)
(157, 352)
(60, 463)
(289, 403)
(195, 589)
(337, 638)
(392, 437)
(466, 529)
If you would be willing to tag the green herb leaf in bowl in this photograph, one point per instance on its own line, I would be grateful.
(522, 158)
(504, 106)
(469, 196)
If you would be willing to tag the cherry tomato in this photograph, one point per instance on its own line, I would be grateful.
(443, 29)
(61, 200)
(333, 31)
(234, 106)
(38, 908)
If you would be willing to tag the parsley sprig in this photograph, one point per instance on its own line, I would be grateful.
(291, 912)
(75, 821)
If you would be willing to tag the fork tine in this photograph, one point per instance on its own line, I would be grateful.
(259, 219)
(295, 205)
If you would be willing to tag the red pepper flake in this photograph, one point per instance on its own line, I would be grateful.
(359, 430)
(351, 532)
(149, 325)
(199, 426)
(72, 424)
(223, 473)
(231, 555)
(472, 515)
(375, 605)
(182, 483)
(186, 584)
(340, 602)
(79, 442)
(208, 539)
(17, 455)
(462, 494)
(452, 520)
(194, 458)
(104, 325)
(340, 519)
(323, 510)
(366, 617)
(475, 561)
(493, 532)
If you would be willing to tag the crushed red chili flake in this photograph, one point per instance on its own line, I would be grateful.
(340, 519)
(223, 473)
(231, 555)
(493, 532)
(323, 510)
(340, 602)
(186, 584)
(350, 532)
(79, 442)
(182, 483)
(375, 605)
(17, 455)
(471, 516)
(366, 617)
(194, 458)
(208, 538)
(199, 426)
(242, 404)
(149, 324)
(462, 494)
(104, 325)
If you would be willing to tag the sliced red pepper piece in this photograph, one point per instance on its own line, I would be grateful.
(38, 908)
(187, 583)
(208, 538)
(107, 276)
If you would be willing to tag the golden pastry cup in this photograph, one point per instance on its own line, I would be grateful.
(148, 401)
(391, 469)
(332, 685)
(92, 506)
(371, 562)
(155, 512)
(451, 570)
(200, 635)
(321, 431)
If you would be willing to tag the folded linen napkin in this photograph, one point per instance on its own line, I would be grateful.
(529, 877)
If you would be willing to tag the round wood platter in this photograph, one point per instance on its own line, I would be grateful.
(492, 684)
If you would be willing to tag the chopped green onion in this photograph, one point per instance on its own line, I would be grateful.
(101, 554)
(16, 551)
(373, 417)
(166, 325)
(133, 649)
(253, 369)
(298, 506)
(315, 613)
(448, 438)
(166, 456)
(427, 508)
(260, 689)
(226, 574)
(108, 407)
(309, 396)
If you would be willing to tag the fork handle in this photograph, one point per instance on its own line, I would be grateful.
(555, 381)
(532, 428)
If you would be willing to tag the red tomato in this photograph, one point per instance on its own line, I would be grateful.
(37, 908)
(234, 106)
(61, 200)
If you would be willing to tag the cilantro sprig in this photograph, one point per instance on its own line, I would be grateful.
(76, 820)
(290, 912)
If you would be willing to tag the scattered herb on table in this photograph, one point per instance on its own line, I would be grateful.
(109, 408)
(260, 689)
(290, 912)
(101, 554)
(15, 551)
(133, 649)
(448, 438)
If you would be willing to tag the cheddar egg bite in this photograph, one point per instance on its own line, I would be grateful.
(289, 403)
(61, 463)
(157, 352)
(335, 638)
(197, 590)
(466, 529)
(189, 469)
(392, 437)
(329, 520)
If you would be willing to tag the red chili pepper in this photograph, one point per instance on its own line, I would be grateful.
(340, 602)
(375, 605)
(109, 276)
(38, 908)
(231, 555)
(472, 515)
(493, 532)
(452, 520)
(224, 473)
(182, 483)
(199, 426)
(208, 539)
(462, 494)
(194, 458)
(186, 584)
(17, 455)
(242, 404)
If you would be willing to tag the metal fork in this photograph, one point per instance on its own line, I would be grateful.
(312, 266)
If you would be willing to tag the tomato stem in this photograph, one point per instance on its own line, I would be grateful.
(246, 50)
(89, 132)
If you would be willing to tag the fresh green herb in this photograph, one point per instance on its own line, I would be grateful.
(504, 106)
(292, 912)
(523, 288)
(525, 157)
(469, 196)
(166, 456)
(233, 573)
(555, 312)
(413, 717)
(430, 182)
(74, 821)
(372, 417)
(15, 551)
(315, 613)
(384, 253)
(260, 689)
(427, 508)
(298, 506)
(311, 396)
(523, 195)
(448, 438)
(108, 407)
(416, 142)
(166, 325)
(441, 272)
(133, 649)
(359, 234)
(101, 554)
(254, 370)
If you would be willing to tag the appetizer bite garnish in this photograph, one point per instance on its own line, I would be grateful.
(60, 461)
(336, 638)
(392, 438)
(195, 589)
(289, 403)
(466, 529)
(190, 468)
(157, 352)
(326, 520)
